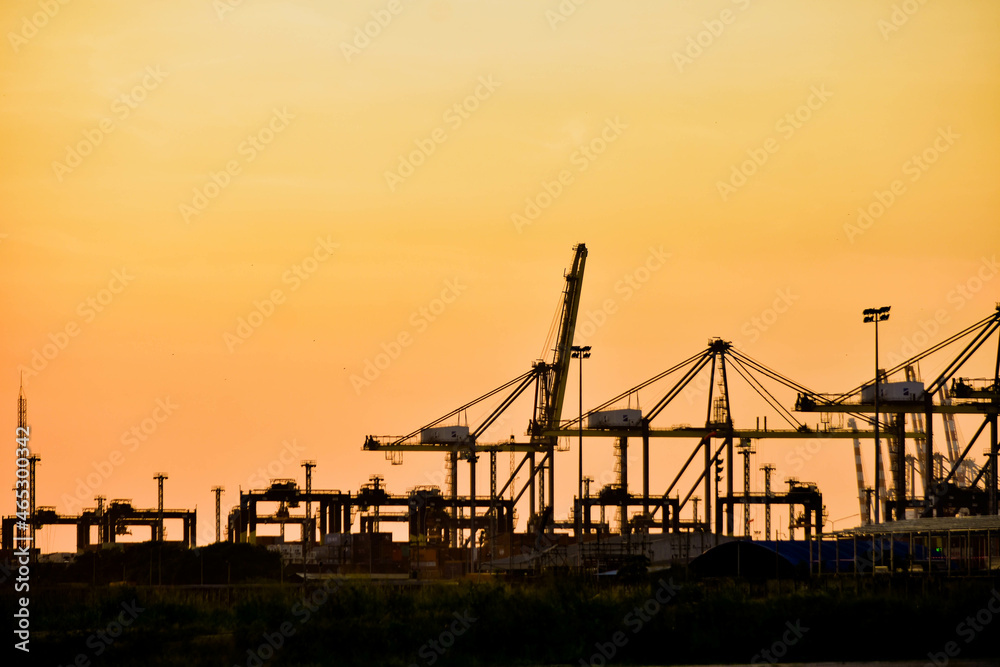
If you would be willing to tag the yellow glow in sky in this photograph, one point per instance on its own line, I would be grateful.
(235, 207)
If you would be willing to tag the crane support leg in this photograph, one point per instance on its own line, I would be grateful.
(993, 465)
(453, 464)
(929, 481)
(899, 423)
(472, 508)
(708, 484)
(623, 483)
(730, 527)
(531, 484)
(552, 480)
(645, 471)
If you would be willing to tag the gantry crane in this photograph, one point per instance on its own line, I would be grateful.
(973, 397)
(549, 379)
(719, 358)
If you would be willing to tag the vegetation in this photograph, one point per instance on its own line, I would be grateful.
(555, 620)
(149, 563)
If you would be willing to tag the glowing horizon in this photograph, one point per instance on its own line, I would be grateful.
(235, 208)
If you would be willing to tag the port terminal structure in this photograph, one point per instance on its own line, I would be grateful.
(948, 487)
(109, 522)
(472, 529)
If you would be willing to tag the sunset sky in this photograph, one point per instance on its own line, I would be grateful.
(216, 215)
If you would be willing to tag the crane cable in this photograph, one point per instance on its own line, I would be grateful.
(769, 398)
(553, 327)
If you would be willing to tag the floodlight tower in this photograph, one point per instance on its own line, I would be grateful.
(876, 315)
(102, 532)
(23, 433)
(746, 449)
(218, 512)
(22, 410)
(159, 477)
(581, 353)
(768, 469)
(307, 532)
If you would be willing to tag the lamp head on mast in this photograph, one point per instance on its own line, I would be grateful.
(876, 314)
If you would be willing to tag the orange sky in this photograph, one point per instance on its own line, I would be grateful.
(169, 170)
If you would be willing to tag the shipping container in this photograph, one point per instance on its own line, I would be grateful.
(371, 547)
(337, 539)
(614, 418)
(444, 435)
(893, 391)
(424, 557)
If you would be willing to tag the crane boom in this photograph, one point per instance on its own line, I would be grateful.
(550, 405)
